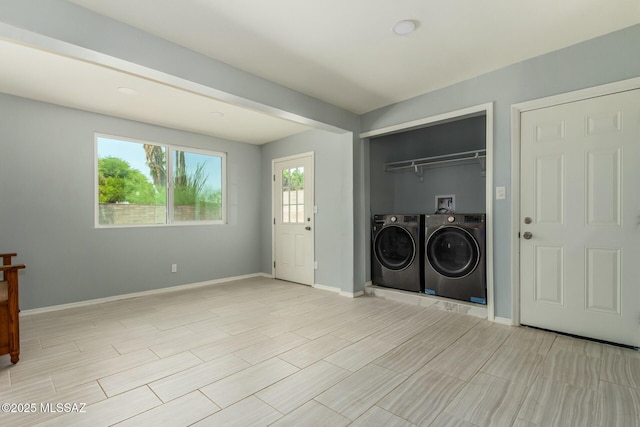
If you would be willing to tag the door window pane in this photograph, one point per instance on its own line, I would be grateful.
(293, 195)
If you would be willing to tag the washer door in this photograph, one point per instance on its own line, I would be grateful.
(452, 252)
(394, 248)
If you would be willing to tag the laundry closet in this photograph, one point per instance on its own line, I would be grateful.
(427, 208)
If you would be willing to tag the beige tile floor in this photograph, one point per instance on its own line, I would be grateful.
(266, 352)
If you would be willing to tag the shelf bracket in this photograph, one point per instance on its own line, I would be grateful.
(418, 171)
(483, 164)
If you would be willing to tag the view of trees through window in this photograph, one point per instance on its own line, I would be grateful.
(133, 184)
(293, 195)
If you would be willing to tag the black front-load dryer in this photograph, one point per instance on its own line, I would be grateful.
(397, 251)
(454, 265)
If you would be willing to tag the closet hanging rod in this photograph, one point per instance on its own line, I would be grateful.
(435, 160)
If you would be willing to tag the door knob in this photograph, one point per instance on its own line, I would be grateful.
(527, 235)
(307, 228)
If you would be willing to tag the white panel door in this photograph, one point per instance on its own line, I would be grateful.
(580, 218)
(293, 220)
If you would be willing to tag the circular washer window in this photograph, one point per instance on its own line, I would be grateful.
(394, 248)
(452, 252)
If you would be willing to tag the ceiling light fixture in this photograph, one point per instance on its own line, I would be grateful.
(127, 90)
(217, 114)
(404, 27)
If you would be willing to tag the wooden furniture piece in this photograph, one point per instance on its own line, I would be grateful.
(9, 320)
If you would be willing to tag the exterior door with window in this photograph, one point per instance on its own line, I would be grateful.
(293, 219)
(580, 218)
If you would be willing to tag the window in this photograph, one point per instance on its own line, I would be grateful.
(141, 183)
(293, 195)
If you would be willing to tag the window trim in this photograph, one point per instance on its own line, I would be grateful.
(169, 172)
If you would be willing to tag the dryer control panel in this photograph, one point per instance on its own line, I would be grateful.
(473, 219)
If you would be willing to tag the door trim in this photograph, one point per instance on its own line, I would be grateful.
(516, 111)
(274, 207)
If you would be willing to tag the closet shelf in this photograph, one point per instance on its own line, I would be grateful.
(417, 165)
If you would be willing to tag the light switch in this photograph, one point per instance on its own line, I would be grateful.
(501, 193)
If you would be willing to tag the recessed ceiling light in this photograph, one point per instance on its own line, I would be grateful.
(127, 90)
(217, 113)
(404, 27)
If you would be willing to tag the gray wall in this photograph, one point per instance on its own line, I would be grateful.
(47, 211)
(606, 59)
(463, 181)
(402, 191)
(333, 222)
(64, 21)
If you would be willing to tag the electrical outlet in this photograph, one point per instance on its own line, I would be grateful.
(501, 193)
(174, 268)
(315, 265)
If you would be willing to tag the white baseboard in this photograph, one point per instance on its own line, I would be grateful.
(139, 294)
(503, 321)
(338, 291)
(326, 288)
(351, 294)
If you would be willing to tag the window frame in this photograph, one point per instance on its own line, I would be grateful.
(169, 148)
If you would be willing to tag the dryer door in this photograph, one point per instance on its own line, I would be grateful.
(452, 252)
(394, 248)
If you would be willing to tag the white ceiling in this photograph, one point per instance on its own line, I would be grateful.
(46, 76)
(340, 51)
